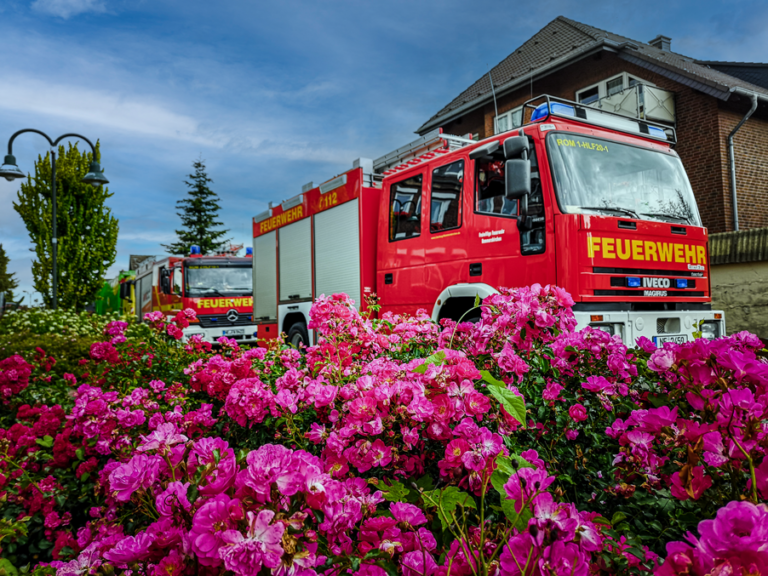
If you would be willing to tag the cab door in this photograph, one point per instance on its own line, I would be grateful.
(400, 277)
(505, 248)
(446, 243)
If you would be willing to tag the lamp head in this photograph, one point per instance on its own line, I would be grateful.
(95, 175)
(9, 170)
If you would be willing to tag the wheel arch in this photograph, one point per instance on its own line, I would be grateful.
(459, 298)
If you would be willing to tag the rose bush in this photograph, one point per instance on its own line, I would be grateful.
(514, 445)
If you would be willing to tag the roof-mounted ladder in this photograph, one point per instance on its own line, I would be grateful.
(431, 141)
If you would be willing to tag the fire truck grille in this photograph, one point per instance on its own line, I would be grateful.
(646, 272)
(216, 320)
(631, 293)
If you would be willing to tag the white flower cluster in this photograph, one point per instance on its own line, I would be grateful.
(63, 322)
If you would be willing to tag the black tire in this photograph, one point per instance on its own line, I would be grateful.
(298, 335)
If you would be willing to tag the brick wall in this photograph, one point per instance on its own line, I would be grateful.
(702, 125)
(750, 148)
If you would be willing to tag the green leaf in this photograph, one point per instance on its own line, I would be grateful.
(192, 493)
(446, 501)
(397, 492)
(478, 301)
(512, 403)
(436, 359)
(45, 442)
(425, 482)
(636, 552)
(618, 517)
(601, 520)
(6, 568)
(520, 520)
(658, 400)
(389, 567)
(500, 477)
(504, 470)
(490, 378)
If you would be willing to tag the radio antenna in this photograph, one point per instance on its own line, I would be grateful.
(496, 108)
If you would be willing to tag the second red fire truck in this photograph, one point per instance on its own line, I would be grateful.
(594, 202)
(217, 288)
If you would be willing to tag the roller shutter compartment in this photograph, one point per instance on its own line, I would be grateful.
(265, 277)
(295, 247)
(337, 251)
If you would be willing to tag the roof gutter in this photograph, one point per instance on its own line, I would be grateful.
(731, 158)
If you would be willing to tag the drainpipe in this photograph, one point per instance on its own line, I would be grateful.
(731, 159)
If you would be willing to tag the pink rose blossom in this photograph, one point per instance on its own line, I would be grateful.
(139, 472)
(260, 546)
(578, 413)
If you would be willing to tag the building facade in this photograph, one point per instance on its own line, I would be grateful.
(703, 101)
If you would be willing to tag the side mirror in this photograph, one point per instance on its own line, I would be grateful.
(517, 178)
(125, 291)
(165, 282)
(515, 146)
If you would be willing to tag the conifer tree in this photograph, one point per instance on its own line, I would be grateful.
(87, 231)
(199, 213)
(7, 280)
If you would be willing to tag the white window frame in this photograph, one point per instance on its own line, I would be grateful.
(602, 86)
(508, 115)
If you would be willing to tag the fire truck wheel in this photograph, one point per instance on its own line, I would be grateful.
(298, 335)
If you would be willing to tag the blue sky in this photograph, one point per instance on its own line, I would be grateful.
(274, 94)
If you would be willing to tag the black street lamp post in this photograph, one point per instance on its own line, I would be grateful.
(10, 171)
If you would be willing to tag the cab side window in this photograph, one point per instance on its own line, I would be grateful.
(405, 208)
(489, 197)
(445, 200)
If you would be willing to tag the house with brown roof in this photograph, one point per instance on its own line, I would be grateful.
(704, 101)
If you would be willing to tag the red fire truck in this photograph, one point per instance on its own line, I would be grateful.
(592, 201)
(218, 288)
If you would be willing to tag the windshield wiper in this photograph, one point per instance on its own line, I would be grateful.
(208, 291)
(670, 216)
(629, 213)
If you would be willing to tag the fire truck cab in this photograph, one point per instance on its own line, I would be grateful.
(218, 288)
(594, 202)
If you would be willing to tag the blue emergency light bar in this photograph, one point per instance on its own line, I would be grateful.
(194, 249)
(594, 116)
(249, 251)
(634, 282)
(682, 283)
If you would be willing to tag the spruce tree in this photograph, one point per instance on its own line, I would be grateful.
(198, 212)
(87, 231)
(7, 280)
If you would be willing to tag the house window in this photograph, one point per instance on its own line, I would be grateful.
(614, 86)
(509, 120)
(608, 88)
(589, 95)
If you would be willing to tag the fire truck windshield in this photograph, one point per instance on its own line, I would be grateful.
(599, 176)
(219, 281)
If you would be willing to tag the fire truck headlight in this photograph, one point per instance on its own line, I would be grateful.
(611, 329)
(710, 329)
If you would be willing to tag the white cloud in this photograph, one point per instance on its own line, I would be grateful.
(66, 8)
(109, 109)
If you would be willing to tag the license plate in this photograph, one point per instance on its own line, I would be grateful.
(677, 339)
(234, 332)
